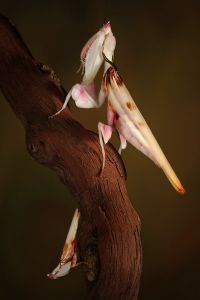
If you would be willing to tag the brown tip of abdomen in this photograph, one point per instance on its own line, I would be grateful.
(181, 190)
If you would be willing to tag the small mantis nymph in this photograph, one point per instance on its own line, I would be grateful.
(123, 114)
(68, 258)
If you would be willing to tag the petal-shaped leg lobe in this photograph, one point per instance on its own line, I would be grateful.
(82, 97)
(123, 143)
(105, 133)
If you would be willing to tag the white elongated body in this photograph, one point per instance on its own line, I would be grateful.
(68, 258)
(130, 123)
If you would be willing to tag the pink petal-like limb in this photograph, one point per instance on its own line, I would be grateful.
(68, 258)
(84, 97)
(105, 133)
(134, 128)
(123, 143)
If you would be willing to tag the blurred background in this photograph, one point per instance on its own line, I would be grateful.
(157, 54)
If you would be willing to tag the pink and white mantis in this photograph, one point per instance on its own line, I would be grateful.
(91, 60)
(68, 258)
(123, 115)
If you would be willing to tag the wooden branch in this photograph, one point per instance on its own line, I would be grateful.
(109, 229)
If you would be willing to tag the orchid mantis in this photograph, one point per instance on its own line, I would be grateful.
(123, 115)
(91, 60)
(68, 258)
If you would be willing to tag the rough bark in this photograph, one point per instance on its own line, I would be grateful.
(109, 228)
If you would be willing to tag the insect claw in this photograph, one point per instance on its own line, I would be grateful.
(56, 114)
(51, 276)
(100, 174)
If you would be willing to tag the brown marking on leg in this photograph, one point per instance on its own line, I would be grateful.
(141, 124)
(130, 105)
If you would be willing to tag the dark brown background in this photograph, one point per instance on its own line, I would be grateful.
(158, 55)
